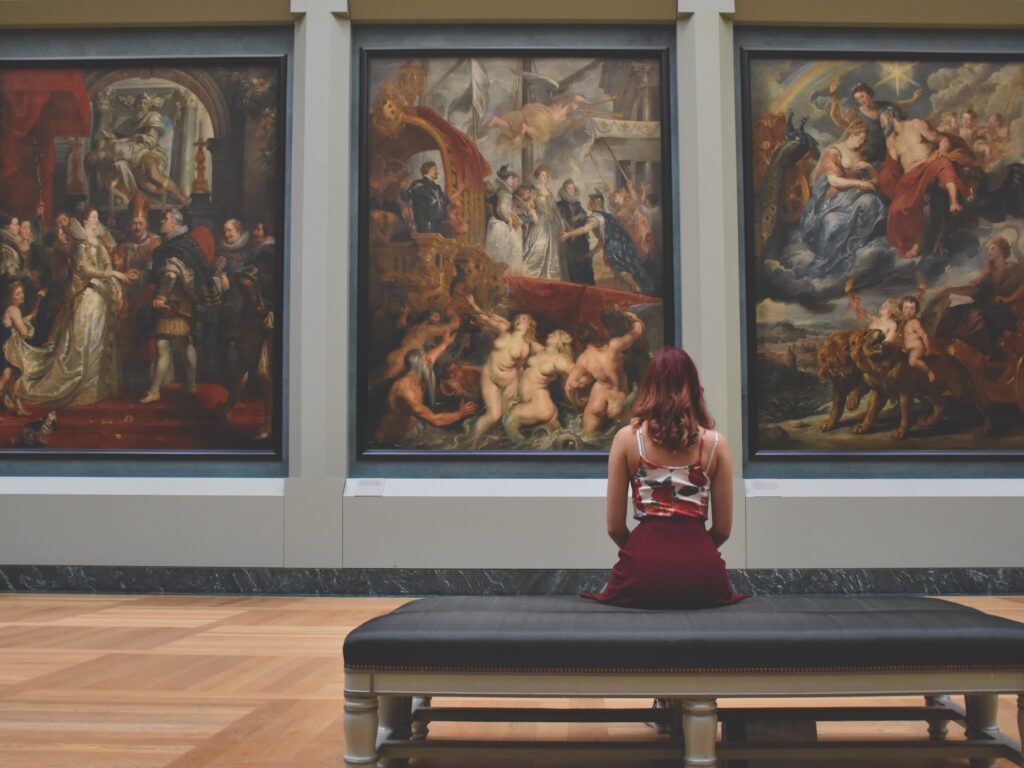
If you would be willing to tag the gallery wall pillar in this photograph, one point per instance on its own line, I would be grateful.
(708, 215)
(318, 293)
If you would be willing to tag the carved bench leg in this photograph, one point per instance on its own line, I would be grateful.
(937, 729)
(1020, 722)
(700, 729)
(420, 728)
(981, 721)
(395, 723)
(360, 730)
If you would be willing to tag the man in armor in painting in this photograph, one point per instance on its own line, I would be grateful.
(429, 202)
(183, 281)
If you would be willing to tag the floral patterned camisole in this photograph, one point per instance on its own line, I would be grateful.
(660, 491)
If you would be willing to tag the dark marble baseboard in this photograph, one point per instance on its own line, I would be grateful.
(380, 582)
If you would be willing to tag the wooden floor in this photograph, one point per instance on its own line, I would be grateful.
(147, 682)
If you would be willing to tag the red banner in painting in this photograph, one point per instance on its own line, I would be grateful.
(472, 167)
(37, 106)
(568, 304)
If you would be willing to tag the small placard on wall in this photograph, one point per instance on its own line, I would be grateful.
(368, 486)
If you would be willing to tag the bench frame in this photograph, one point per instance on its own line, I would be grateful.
(387, 713)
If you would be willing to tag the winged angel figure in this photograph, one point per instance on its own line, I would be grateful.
(555, 112)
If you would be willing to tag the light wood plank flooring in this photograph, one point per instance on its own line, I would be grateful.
(168, 682)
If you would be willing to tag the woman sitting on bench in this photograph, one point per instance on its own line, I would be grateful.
(677, 467)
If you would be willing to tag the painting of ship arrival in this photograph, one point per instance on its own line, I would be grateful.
(884, 211)
(515, 274)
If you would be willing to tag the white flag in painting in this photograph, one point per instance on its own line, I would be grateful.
(474, 98)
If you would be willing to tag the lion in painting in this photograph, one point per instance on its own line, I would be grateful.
(859, 362)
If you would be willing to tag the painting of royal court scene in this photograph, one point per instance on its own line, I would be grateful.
(140, 259)
(885, 271)
(517, 263)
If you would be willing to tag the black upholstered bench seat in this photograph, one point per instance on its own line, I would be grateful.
(783, 646)
(764, 633)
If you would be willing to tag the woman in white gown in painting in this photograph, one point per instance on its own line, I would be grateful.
(541, 252)
(79, 364)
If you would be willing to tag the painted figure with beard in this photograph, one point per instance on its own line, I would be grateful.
(80, 363)
(410, 403)
(136, 252)
(183, 282)
(845, 210)
(504, 228)
(534, 404)
(429, 329)
(868, 112)
(626, 205)
(130, 158)
(918, 156)
(541, 257)
(428, 200)
(575, 250)
(233, 254)
(499, 378)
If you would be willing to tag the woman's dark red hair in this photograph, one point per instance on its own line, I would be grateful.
(671, 400)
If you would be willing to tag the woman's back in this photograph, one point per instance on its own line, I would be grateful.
(677, 468)
(666, 483)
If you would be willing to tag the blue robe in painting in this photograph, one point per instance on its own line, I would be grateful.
(621, 253)
(835, 227)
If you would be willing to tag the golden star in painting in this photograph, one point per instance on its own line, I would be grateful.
(898, 72)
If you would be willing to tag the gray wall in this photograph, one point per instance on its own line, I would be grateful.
(316, 517)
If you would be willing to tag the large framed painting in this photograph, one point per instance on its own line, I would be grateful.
(141, 257)
(883, 208)
(516, 247)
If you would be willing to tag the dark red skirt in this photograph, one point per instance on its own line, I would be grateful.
(669, 562)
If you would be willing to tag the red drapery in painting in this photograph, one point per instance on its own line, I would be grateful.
(471, 166)
(568, 304)
(38, 104)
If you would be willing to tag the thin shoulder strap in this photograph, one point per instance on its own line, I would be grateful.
(713, 447)
(640, 441)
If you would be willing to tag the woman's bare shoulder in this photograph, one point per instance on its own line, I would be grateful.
(625, 436)
(626, 432)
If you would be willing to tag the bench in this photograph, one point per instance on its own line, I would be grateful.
(778, 646)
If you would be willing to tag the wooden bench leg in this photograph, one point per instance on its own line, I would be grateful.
(700, 729)
(420, 728)
(981, 721)
(937, 729)
(395, 723)
(360, 730)
(1020, 722)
